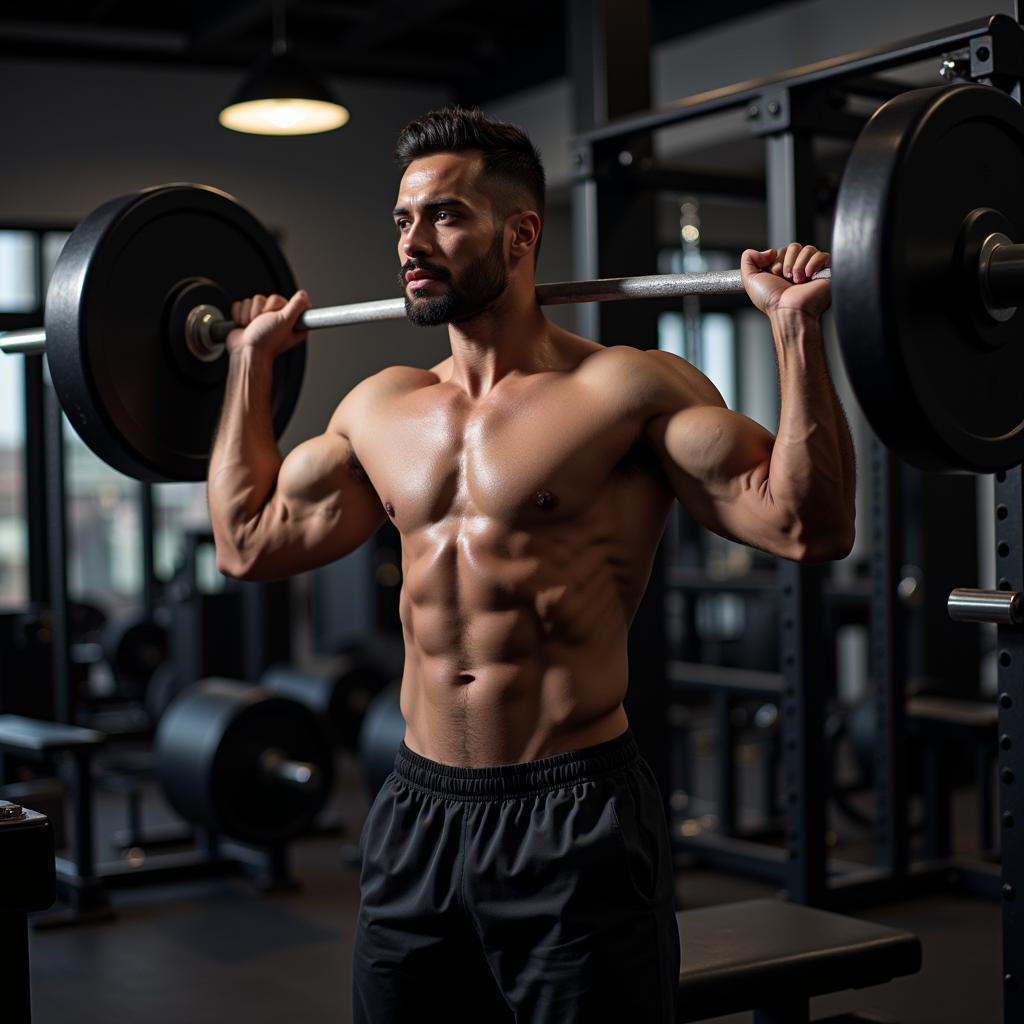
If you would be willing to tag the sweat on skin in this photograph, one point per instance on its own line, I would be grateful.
(530, 474)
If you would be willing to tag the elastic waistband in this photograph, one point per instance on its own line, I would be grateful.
(511, 780)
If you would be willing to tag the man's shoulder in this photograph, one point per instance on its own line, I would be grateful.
(390, 381)
(370, 392)
(646, 378)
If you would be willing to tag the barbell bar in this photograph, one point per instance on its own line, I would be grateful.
(926, 256)
(207, 329)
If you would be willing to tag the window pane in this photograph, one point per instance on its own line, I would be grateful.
(104, 538)
(13, 525)
(53, 242)
(177, 508)
(18, 288)
(672, 334)
(718, 353)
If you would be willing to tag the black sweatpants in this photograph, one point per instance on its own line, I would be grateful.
(539, 893)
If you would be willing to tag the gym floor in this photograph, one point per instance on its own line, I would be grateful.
(218, 950)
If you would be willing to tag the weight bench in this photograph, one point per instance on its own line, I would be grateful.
(773, 957)
(46, 741)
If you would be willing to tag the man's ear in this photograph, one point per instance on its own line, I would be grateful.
(526, 233)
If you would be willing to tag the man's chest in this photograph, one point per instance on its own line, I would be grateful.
(536, 454)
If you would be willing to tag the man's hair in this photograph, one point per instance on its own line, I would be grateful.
(511, 161)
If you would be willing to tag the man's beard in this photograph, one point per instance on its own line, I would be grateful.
(480, 285)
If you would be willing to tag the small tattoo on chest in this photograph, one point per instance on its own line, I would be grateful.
(545, 500)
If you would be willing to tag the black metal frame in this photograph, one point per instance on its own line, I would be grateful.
(789, 111)
(1009, 521)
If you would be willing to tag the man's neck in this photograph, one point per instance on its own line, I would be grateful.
(511, 338)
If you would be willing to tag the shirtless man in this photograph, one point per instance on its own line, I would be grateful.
(517, 863)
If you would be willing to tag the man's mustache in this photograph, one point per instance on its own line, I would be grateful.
(429, 268)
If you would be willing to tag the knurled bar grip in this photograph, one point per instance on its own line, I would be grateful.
(656, 286)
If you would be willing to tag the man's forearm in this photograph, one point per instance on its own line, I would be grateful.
(811, 475)
(245, 460)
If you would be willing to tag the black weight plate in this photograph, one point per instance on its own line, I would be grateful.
(208, 746)
(938, 384)
(118, 372)
(134, 646)
(251, 806)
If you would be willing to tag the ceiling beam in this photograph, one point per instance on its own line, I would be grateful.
(91, 37)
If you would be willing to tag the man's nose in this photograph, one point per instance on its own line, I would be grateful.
(416, 241)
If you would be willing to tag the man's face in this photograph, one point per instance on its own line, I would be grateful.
(450, 246)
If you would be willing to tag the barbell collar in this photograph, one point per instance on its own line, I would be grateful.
(1002, 607)
(1004, 280)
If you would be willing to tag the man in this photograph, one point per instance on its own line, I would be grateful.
(517, 864)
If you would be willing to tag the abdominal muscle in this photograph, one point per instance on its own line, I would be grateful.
(516, 640)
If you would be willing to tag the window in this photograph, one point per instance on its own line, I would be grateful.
(20, 306)
(103, 506)
(19, 283)
(13, 525)
(713, 350)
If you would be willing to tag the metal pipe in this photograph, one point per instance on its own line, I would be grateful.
(212, 332)
(29, 342)
(1003, 607)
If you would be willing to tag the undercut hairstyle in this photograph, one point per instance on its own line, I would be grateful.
(511, 162)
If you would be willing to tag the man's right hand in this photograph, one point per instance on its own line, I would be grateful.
(267, 322)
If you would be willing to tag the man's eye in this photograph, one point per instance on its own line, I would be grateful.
(401, 224)
(444, 215)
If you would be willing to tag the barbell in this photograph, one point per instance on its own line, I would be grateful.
(927, 279)
(243, 761)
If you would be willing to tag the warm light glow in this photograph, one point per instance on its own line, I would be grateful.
(284, 117)
(690, 232)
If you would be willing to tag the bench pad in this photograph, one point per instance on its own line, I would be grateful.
(32, 735)
(757, 953)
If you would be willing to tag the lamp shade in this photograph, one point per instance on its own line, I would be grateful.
(283, 96)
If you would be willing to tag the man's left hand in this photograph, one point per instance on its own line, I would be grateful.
(778, 280)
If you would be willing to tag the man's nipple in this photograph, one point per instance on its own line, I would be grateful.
(390, 509)
(545, 500)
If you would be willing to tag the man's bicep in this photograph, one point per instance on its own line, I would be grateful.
(327, 498)
(717, 463)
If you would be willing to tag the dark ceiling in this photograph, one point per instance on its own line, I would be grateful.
(481, 50)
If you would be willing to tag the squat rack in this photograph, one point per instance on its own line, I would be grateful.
(615, 178)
